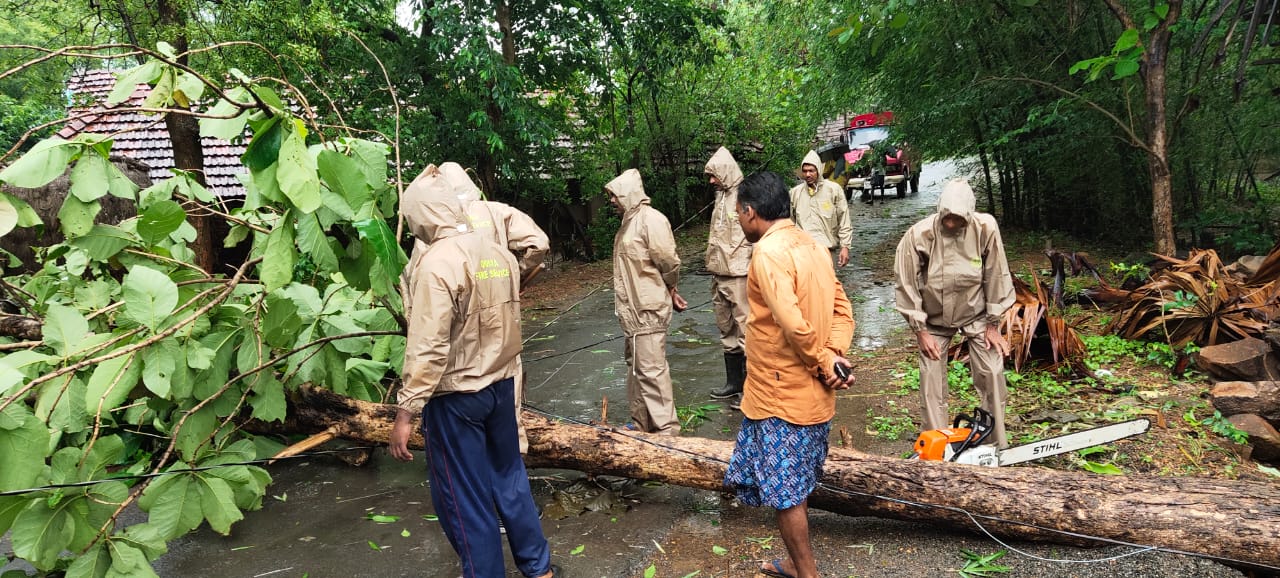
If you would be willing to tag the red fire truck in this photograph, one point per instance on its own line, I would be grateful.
(874, 163)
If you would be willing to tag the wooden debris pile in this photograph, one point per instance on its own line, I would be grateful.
(1197, 300)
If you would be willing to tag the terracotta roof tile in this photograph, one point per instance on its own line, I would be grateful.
(143, 137)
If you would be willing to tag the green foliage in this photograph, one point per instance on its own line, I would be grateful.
(1220, 425)
(981, 565)
(140, 348)
(892, 427)
(602, 230)
(1136, 272)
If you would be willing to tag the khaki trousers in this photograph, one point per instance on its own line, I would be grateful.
(987, 368)
(729, 295)
(649, 390)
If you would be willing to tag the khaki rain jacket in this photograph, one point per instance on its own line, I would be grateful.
(461, 299)
(953, 282)
(728, 250)
(822, 211)
(646, 264)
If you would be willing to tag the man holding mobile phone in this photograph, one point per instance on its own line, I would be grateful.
(799, 328)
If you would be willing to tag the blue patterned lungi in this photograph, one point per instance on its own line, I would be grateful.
(775, 463)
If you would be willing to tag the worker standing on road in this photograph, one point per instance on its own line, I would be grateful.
(728, 255)
(507, 226)
(800, 327)
(458, 373)
(952, 277)
(646, 269)
(819, 208)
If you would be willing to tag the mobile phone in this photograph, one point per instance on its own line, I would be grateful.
(841, 372)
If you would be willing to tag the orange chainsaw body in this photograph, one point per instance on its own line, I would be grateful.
(932, 445)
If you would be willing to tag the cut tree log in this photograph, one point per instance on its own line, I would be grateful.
(1262, 436)
(1256, 397)
(1248, 359)
(1223, 519)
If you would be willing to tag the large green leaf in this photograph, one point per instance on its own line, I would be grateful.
(281, 324)
(218, 503)
(372, 161)
(379, 238)
(103, 242)
(24, 215)
(296, 172)
(76, 217)
(41, 532)
(92, 564)
(173, 503)
(149, 296)
(264, 148)
(22, 449)
(343, 175)
(158, 364)
(197, 430)
(227, 128)
(280, 255)
(61, 405)
(64, 328)
(8, 215)
(127, 561)
(315, 244)
(268, 400)
(128, 81)
(1125, 68)
(10, 506)
(110, 383)
(161, 94)
(89, 177)
(43, 163)
(1128, 39)
(158, 220)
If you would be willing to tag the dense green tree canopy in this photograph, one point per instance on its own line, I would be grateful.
(1067, 116)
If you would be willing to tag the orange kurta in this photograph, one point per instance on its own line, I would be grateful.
(800, 321)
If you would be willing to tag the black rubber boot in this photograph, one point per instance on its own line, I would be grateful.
(735, 370)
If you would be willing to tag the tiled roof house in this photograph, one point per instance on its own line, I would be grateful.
(143, 137)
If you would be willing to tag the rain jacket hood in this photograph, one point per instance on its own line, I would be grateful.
(461, 300)
(957, 199)
(629, 189)
(728, 250)
(431, 209)
(724, 168)
(812, 158)
(646, 264)
(953, 282)
(460, 182)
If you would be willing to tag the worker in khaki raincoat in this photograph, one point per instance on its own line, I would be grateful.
(646, 269)
(509, 227)
(728, 256)
(459, 367)
(952, 277)
(819, 208)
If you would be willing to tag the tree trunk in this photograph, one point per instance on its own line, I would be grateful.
(1155, 82)
(184, 135)
(1215, 518)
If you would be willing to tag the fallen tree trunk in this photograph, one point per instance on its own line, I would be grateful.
(1229, 520)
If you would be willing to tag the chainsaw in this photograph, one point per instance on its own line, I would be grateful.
(963, 442)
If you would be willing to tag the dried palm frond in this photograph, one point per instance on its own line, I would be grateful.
(1194, 300)
(1029, 326)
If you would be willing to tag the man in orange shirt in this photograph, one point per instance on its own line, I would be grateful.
(798, 330)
